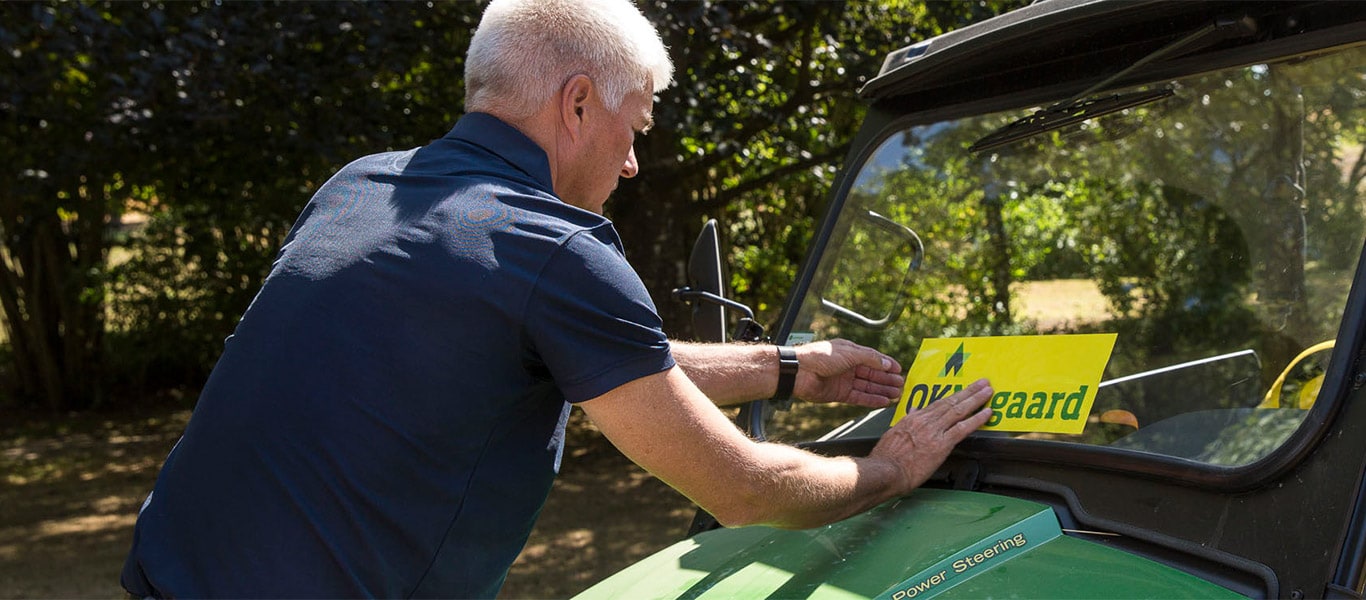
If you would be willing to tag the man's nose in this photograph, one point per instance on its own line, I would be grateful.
(631, 167)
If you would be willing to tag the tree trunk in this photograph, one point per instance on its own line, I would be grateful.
(657, 226)
(52, 300)
(999, 259)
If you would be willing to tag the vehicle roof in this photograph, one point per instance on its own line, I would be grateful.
(1053, 41)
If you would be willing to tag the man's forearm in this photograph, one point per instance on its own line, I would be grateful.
(794, 489)
(798, 490)
(829, 371)
(664, 424)
(729, 373)
(690, 445)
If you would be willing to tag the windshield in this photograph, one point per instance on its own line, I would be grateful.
(1214, 230)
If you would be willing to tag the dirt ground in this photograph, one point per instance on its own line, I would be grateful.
(72, 487)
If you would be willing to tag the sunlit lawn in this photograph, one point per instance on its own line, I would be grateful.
(1059, 302)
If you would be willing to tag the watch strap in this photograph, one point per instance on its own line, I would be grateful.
(787, 372)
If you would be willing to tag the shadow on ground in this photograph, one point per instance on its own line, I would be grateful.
(72, 486)
(604, 514)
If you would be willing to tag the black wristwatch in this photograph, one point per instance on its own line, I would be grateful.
(787, 373)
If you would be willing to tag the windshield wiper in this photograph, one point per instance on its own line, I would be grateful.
(1061, 115)
(1080, 108)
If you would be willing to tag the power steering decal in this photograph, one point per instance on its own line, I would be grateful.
(1042, 383)
(987, 554)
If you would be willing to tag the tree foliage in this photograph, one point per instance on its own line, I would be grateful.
(761, 116)
(215, 121)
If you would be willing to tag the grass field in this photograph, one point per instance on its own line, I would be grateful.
(1061, 302)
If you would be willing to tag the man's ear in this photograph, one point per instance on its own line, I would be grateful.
(573, 99)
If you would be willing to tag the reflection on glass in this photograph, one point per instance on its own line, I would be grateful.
(1215, 231)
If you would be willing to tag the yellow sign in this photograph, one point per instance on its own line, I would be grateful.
(1044, 383)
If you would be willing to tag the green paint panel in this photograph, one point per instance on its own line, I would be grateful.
(932, 543)
(1067, 567)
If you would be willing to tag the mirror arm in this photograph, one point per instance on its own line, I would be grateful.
(689, 295)
(747, 330)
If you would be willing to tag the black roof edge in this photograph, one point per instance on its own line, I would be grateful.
(1055, 40)
(981, 36)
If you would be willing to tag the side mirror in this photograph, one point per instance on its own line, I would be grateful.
(704, 274)
(706, 293)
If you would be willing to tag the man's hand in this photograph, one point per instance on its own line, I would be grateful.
(920, 442)
(842, 371)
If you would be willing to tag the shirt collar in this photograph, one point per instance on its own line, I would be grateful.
(510, 144)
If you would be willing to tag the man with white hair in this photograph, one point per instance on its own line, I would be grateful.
(389, 415)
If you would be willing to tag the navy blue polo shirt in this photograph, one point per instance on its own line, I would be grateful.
(389, 415)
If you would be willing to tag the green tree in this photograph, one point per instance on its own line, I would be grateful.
(764, 109)
(71, 119)
(270, 99)
(216, 121)
(1204, 219)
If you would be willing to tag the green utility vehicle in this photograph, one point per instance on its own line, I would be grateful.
(1187, 176)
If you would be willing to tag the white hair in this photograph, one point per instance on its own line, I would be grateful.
(524, 50)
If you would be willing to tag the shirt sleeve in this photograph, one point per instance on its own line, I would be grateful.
(591, 320)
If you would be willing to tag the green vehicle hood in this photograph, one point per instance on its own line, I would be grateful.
(935, 542)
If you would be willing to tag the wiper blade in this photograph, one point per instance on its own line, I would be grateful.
(1061, 115)
(1075, 109)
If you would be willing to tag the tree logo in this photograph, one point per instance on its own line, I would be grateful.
(955, 362)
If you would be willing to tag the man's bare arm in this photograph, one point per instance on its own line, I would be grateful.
(664, 423)
(830, 371)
